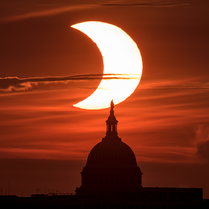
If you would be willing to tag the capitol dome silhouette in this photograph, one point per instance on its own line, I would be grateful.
(111, 167)
(111, 153)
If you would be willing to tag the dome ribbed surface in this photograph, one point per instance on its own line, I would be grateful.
(111, 152)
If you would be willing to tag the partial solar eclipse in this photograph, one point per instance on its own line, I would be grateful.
(122, 62)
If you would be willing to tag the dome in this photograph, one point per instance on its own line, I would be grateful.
(111, 152)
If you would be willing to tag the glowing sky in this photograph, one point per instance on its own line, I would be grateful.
(44, 140)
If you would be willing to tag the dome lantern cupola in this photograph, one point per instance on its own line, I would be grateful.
(111, 121)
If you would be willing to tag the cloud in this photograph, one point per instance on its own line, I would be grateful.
(202, 140)
(21, 84)
(158, 3)
(179, 84)
(203, 150)
(8, 84)
(49, 12)
(202, 133)
(90, 4)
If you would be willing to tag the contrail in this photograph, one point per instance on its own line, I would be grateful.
(9, 84)
(18, 84)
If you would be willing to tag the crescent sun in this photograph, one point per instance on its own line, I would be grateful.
(122, 64)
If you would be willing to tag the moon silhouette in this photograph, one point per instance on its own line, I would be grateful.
(122, 64)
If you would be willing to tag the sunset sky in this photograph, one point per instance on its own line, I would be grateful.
(46, 66)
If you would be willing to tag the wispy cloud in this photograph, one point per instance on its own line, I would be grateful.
(175, 85)
(9, 84)
(22, 84)
(92, 4)
(145, 3)
(49, 12)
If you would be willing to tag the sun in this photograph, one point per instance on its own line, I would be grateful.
(122, 64)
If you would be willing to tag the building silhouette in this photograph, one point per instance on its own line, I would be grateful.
(111, 166)
(111, 179)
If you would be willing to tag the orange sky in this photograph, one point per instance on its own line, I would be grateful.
(45, 140)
